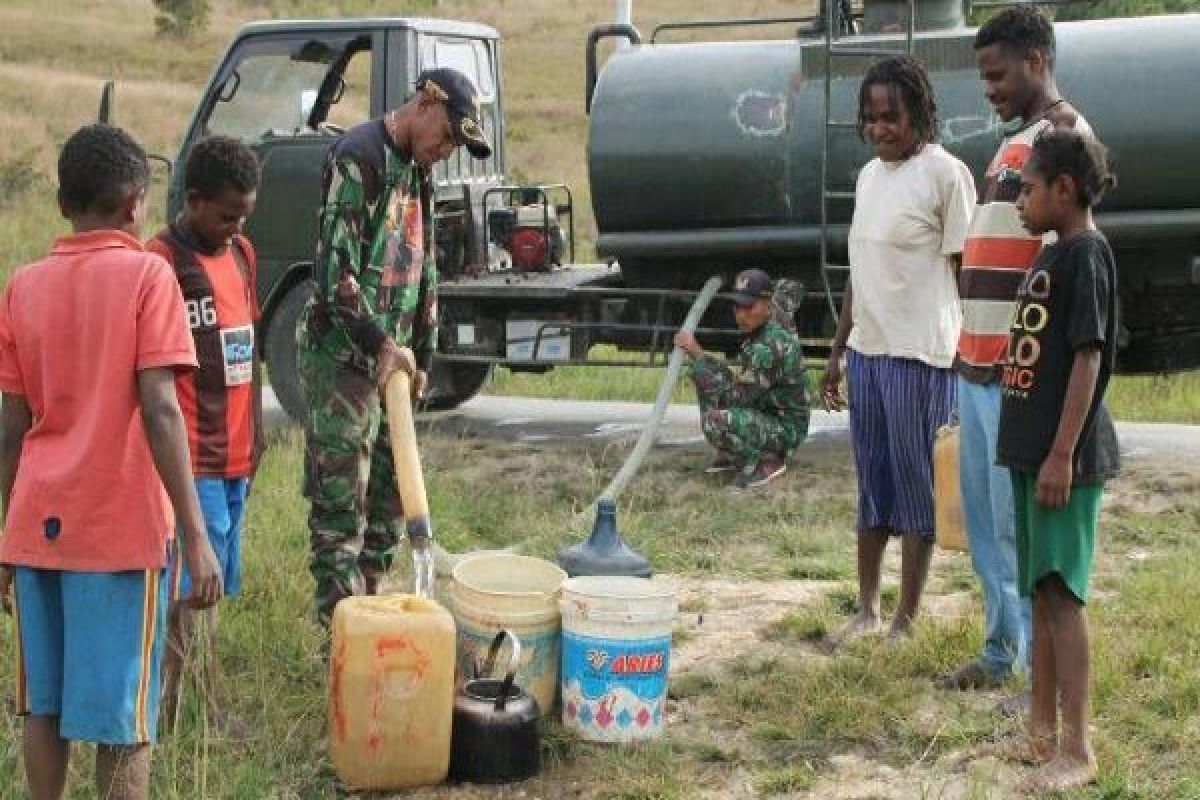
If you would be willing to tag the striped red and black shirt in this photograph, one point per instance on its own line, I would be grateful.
(218, 399)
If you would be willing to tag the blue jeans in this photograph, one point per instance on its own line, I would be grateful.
(987, 501)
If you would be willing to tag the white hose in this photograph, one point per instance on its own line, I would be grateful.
(446, 560)
(665, 390)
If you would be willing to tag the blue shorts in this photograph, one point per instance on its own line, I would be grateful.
(89, 646)
(223, 502)
(897, 405)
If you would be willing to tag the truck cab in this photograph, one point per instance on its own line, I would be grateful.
(289, 89)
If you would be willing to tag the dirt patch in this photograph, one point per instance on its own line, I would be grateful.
(732, 617)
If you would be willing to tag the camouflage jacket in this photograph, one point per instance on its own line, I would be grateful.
(374, 275)
(770, 376)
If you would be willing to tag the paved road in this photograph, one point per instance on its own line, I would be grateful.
(531, 420)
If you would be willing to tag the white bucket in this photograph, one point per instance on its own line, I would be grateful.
(615, 657)
(496, 591)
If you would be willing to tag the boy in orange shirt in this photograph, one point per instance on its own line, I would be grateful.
(91, 339)
(222, 401)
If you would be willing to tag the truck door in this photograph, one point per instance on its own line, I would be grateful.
(287, 95)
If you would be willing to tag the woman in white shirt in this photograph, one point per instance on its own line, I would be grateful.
(899, 327)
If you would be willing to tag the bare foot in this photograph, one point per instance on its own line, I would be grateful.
(1061, 774)
(863, 624)
(1032, 751)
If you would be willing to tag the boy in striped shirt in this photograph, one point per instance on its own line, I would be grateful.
(1015, 51)
(222, 400)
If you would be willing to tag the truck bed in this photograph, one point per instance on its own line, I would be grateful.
(557, 284)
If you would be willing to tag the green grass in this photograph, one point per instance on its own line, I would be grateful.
(781, 720)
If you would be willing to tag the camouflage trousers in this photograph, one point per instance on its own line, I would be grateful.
(349, 480)
(746, 433)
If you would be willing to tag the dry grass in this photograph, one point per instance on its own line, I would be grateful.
(51, 87)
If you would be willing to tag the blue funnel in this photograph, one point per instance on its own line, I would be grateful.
(604, 553)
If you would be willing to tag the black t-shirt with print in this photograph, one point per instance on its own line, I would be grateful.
(1066, 302)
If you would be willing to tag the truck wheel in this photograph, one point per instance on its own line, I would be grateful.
(280, 351)
(454, 384)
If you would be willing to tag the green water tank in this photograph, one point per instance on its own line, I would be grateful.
(707, 155)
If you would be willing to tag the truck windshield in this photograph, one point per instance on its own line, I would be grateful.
(267, 94)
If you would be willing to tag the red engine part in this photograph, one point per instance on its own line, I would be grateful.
(529, 249)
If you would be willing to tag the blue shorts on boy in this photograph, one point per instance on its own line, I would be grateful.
(89, 645)
(223, 502)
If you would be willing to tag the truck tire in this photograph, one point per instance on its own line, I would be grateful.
(454, 384)
(451, 384)
(280, 351)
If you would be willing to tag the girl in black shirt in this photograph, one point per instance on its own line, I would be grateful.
(1058, 439)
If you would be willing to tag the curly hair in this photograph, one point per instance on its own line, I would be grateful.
(220, 161)
(1079, 155)
(99, 167)
(909, 85)
(1022, 28)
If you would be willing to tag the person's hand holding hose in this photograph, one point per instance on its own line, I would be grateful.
(393, 357)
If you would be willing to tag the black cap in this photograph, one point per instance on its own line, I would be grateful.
(462, 103)
(750, 285)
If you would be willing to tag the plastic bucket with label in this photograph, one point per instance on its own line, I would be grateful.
(616, 652)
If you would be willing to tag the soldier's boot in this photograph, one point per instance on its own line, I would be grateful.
(756, 439)
(769, 467)
(722, 462)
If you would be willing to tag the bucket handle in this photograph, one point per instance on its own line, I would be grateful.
(514, 660)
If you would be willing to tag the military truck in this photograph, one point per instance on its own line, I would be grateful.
(704, 157)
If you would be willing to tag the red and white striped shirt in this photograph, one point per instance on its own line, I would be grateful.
(998, 253)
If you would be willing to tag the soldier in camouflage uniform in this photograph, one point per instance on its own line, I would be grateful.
(757, 417)
(373, 310)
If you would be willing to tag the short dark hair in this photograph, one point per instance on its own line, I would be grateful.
(1080, 155)
(1022, 28)
(99, 167)
(910, 81)
(219, 161)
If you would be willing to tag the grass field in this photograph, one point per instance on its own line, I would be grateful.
(760, 705)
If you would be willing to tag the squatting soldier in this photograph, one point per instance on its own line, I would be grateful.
(373, 311)
(756, 418)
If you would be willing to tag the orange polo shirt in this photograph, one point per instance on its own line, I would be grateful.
(75, 329)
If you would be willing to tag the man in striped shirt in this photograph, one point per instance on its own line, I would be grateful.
(1015, 51)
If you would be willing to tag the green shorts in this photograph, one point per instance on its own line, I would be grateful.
(1061, 540)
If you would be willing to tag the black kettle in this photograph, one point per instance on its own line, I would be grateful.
(495, 734)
